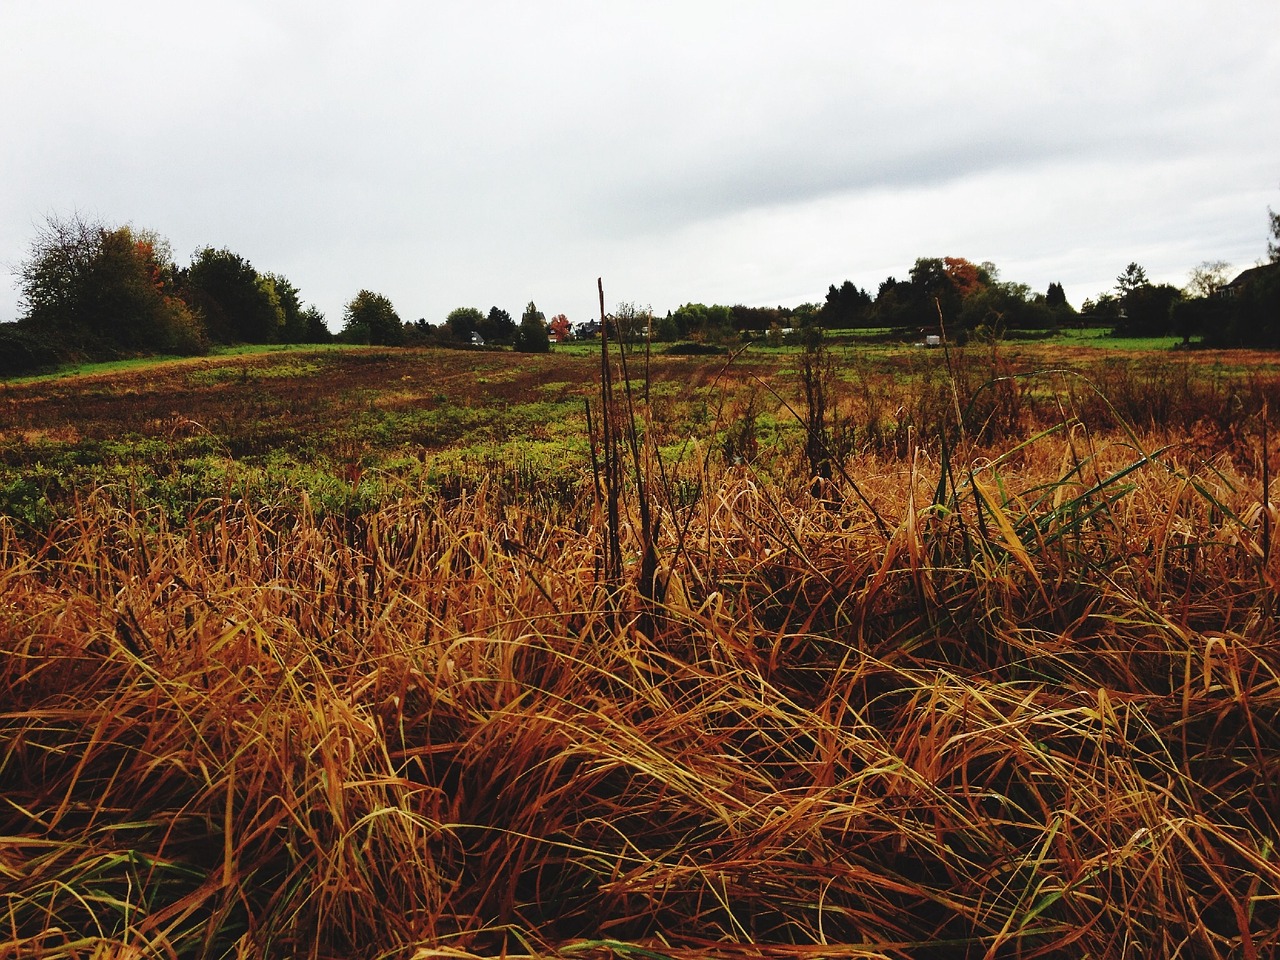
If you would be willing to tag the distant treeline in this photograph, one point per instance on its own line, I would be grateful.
(1220, 309)
(965, 296)
(949, 291)
(957, 297)
(91, 291)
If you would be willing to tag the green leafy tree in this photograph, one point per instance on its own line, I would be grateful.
(292, 328)
(997, 307)
(932, 288)
(894, 301)
(498, 327)
(532, 336)
(100, 290)
(1273, 243)
(1056, 297)
(301, 324)
(757, 319)
(665, 328)
(420, 333)
(806, 315)
(915, 302)
(370, 318)
(316, 330)
(462, 323)
(1105, 311)
(238, 305)
(697, 321)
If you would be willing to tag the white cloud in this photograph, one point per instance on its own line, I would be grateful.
(498, 152)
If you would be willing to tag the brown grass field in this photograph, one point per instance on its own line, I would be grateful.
(389, 654)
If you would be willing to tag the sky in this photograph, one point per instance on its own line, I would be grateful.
(494, 153)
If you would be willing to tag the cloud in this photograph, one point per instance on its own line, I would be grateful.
(498, 151)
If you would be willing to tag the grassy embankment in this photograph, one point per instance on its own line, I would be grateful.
(347, 655)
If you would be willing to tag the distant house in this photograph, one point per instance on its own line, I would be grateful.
(477, 340)
(1247, 279)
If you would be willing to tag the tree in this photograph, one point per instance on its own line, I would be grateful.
(933, 288)
(756, 319)
(893, 303)
(370, 318)
(1133, 278)
(498, 327)
(1056, 297)
(237, 304)
(1251, 317)
(696, 321)
(301, 324)
(531, 336)
(1105, 311)
(1199, 316)
(1148, 311)
(317, 331)
(1208, 278)
(461, 323)
(99, 290)
(630, 322)
(292, 328)
(846, 306)
(55, 283)
(1273, 243)
(559, 327)
(929, 280)
(967, 278)
(997, 307)
(665, 328)
(1145, 310)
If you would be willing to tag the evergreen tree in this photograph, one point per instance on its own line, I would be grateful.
(846, 306)
(532, 336)
(498, 327)
(1133, 278)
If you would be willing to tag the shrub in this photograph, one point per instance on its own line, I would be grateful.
(24, 351)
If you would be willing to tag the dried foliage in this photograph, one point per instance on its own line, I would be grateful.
(999, 702)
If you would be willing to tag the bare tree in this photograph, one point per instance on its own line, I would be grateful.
(1208, 278)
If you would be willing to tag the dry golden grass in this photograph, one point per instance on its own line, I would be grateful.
(1023, 704)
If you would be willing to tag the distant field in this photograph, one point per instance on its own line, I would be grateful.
(315, 421)
(863, 336)
(879, 651)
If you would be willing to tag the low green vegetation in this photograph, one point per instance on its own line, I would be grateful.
(822, 651)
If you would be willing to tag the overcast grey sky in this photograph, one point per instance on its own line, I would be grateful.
(482, 153)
